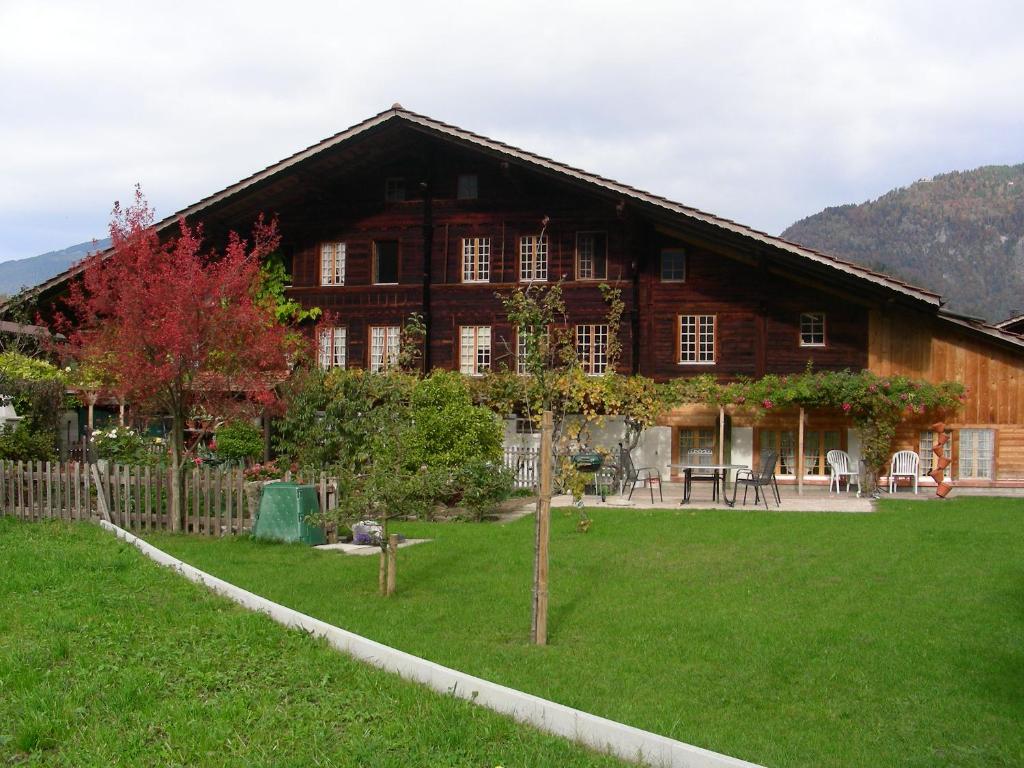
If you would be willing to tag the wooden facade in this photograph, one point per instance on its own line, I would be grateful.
(404, 193)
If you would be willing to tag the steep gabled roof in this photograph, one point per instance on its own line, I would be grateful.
(544, 164)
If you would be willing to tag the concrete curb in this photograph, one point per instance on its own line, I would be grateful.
(598, 733)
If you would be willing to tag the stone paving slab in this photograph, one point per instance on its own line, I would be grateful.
(364, 549)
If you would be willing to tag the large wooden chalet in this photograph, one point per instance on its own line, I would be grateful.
(403, 213)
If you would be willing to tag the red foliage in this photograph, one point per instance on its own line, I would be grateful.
(173, 328)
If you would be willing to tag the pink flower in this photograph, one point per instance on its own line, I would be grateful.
(920, 408)
(903, 396)
(873, 388)
(767, 404)
(846, 407)
(741, 400)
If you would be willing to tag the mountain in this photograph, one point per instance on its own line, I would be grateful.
(22, 273)
(960, 234)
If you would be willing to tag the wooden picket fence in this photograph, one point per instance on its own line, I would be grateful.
(524, 463)
(216, 501)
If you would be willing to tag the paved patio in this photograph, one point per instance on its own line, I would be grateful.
(815, 498)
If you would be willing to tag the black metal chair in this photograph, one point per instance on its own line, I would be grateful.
(632, 474)
(764, 477)
(713, 476)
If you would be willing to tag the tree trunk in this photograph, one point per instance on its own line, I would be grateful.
(177, 484)
(543, 535)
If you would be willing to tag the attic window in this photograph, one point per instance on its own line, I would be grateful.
(812, 329)
(673, 265)
(394, 189)
(468, 186)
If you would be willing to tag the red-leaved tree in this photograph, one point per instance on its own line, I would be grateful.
(176, 329)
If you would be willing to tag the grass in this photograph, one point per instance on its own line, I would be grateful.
(109, 660)
(789, 639)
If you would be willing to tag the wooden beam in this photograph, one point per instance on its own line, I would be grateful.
(800, 457)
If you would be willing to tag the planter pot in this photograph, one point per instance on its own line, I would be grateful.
(942, 462)
(939, 450)
(937, 475)
(941, 439)
(943, 490)
(939, 426)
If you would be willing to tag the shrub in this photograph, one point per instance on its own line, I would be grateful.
(21, 443)
(238, 441)
(484, 485)
(122, 445)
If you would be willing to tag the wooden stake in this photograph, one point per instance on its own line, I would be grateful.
(721, 436)
(392, 562)
(101, 494)
(540, 586)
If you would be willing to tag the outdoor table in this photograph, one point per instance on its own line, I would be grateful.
(688, 469)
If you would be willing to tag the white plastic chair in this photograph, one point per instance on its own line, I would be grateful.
(839, 468)
(904, 464)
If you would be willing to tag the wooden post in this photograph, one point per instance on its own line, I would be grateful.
(721, 436)
(120, 412)
(543, 530)
(101, 494)
(800, 457)
(392, 562)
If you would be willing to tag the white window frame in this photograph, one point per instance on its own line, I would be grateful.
(474, 349)
(697, 339)
(332, 264)
(533, 258)
(476, 259)
(586, 255)
(661, 265)
(333, 347)
(384, 344)
(980, 454)
(813, 324)
(925, 444)
(592, 348)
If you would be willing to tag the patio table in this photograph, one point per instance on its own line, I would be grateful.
(688, 470)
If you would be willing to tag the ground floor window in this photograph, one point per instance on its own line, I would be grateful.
(783, 442)
(695, 438)
(332, 347)
(475, 349)
(975, 453)
(817, 444)
(924, 451)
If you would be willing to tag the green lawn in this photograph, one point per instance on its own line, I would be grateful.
(790, 639)
(106, 659)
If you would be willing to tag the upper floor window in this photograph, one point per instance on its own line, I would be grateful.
(333, 344)
(468, 186)
(697, 339)
(476, 259)
(332, 264)
(533, 258)
(975, 453)
(385, 262)
(673, 265)
(592, 348)
(812, 329)
(591, 256)
(475, 349)
(384, 341)
(394, 189)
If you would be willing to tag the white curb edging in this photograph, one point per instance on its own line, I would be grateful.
(599, 733)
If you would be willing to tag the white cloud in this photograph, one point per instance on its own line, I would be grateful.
(762, 112)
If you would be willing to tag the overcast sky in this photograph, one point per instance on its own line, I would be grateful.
(761, 112)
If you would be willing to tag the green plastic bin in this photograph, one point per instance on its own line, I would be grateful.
(282, 514)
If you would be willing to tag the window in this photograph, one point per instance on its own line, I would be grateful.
(533, 258)
(332, 264)
(384, 340)
(817, 444)
(695, 438)
(924, 450)
(977, 447)
(592, 348)
(783, 442)
(475, 349)
(476, 259)
(673, 265)
(521, 351)
(394, 190)
(812, 329)
(385, 262)
(468, 186)
(333, 344)
(696, 338)
(592, 256)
